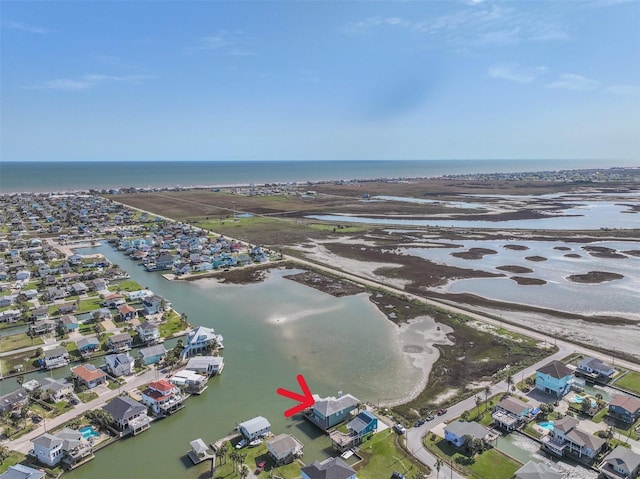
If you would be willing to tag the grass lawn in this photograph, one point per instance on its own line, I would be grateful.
(600, 415)
(491, 464)
(87, 396)
(630, 381)
(87, 305)
(18, 341)
(126, 285)
(382, 456)
(171, 326)
(13, 459)
(27, 360)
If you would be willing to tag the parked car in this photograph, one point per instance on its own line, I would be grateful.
(399, 428)
(397, 475)
(241, 444)
(441, 411)
(430, 417)
(418, 423)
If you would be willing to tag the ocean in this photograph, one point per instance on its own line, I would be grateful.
(76, 175)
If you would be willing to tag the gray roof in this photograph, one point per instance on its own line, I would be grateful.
(361, 421)
(585, 439)
(153, 351)
(565, 424)
(55, 352)
(199, 362)
(596, 364)
(255, 424)
(124, 407)
(87, 342)
(283, 444)
(115, 359)
(199, 446)
(20, 471)
(556, 369)
(512, 405)
(330, 406)
(333, 468)
(535, 470)
(462, 428)
(47, 440)
(54, 385)
(623, 458)
(147, 325)
(8, 400)
(116, 338)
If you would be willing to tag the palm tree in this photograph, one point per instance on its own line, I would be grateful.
(487, 390)
(478, 402)
(244, 471)
(439, 464)
(220, 454)
(509, 382)
(225, 449)
(599, 399)
(20, 380)
(4, 453)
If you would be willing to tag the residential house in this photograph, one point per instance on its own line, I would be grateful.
(98, 284)
(201, 340)
(361, 426)
(68, 323)
(79, 288)
(67, 308)
(209, 365)
(56, 358)
(101, 314)
(625, 408)
(331, 411)
(20, 471)
(536, 470)
(119, 364)
(152, 354)
(567, 438)
(153, 305)
(332, 468)
(88, 375)
(8, 300)
(66, 445)
(457, 432)
(10, 315)
(75, 260)
(14, 400)
(182, 268)
(164, 261)
(284, 449)
(114, 300)
(55, 390)
(129, 416)
(254, 428)
(120, 342)
(621, 463)
(510, 413)
(43, 326)
(23, 275)
(149, 332)
(30, 294)
(87, 346)
(162, 397)
(38, 314)
(140, 295)
(127, 313)
(56, 292)
(190, 381)
(554, 378)
(595, 369)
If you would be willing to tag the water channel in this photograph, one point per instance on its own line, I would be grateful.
(273, 331)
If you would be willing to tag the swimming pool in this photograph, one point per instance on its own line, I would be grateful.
(577, 399)
(88, 432)
(548, 425)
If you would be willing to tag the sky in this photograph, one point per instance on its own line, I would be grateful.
(319, 80)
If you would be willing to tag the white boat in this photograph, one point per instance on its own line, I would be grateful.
(256, 442)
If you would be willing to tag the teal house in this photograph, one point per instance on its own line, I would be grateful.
(554, 378)
(331, 411)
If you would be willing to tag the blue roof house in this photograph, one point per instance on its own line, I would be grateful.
(554, 378)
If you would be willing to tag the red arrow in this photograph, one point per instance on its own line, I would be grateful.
(306, 398)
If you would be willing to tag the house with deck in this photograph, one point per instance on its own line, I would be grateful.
(331, 411)
(20, 471)
(88, 375)
(120, 342)
(537, 470)
(149, 332)
(56, 358)
(510, 413)
(621, 463)
(68, 323)
(114, 300)
(127, 312)
(14, 400)
(120, 364)
(360, 427)
(201, 340)
(284, 449)
(87, 346)
(129, 416)
(332, 468)
(566, 438)
(55, 390)
(153, 305)
(554, 378)
(162, 397)
(254, 428)
(625, 408)
(67, 445)
(595, 370)
(209, 365)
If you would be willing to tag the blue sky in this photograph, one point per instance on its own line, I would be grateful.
(269, 80)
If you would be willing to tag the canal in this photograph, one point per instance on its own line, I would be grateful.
(272, 331)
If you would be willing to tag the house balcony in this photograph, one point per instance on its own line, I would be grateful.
(609, 472)
(56, 363)
(554, 445)
(172, 405)
(138, 424)
(506, 421)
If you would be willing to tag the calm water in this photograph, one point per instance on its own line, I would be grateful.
(620, 296)
(273, 331)
(69, 176)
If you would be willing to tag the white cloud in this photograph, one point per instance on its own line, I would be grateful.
(227, 43)
(23, 27)
(516, 73)
(88, 81)
(570, 81)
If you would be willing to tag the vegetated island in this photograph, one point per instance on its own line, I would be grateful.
(536, 259)
(515, 269)
(594, 277)
(474, 253)
(528, 281)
